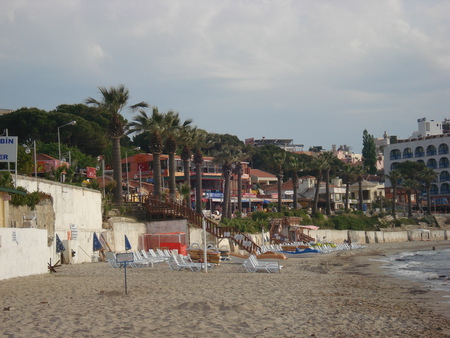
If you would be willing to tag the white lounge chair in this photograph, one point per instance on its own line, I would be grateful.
(114, 264)
(253, 265)
(139, 262)
(176, 265)
(151, 258)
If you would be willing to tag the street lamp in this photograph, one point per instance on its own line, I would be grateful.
(71, 123)
(28, 151)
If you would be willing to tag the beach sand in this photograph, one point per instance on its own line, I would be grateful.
(339, 294)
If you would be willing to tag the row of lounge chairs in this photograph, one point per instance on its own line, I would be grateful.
(175, 261)
(321, 247)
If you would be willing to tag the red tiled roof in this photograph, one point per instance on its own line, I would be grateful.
(261, 173)
(44, 157)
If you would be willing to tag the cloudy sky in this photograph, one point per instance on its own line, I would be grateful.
(317, 72)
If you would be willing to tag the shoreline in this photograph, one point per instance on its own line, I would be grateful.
(437, 301)
(338, 294)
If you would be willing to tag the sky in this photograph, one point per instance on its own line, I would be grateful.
(317, 72)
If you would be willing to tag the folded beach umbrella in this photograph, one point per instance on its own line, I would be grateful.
(97, 245)
(127, 243)
(59, 246)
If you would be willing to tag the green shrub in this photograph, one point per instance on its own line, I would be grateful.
(354, 222)
(243, 224)
(30, 199)
(260, 216)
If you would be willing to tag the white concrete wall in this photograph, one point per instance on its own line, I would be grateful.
(334, 236)
(357, 236)
(28, 255)
(395, 236)
(158, 227)
(371, 237)
(72, 205)
(438, 235)
(131, 230)
(379, 237)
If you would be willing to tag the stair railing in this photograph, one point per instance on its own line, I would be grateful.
(169, 207)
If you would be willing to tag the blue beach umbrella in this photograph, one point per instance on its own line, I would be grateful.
(59, 246)
(127, 243)
(96, 244)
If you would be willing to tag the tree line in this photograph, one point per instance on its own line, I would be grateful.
(102, 130)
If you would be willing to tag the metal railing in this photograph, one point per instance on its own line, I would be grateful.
(168, 208)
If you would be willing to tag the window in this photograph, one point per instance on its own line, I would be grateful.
(445, 188)
(444, 176)
(431, 150)
(407, 153)
(434, 189)
(431, 163)
(443, 162)
(419, 152)
(394, 165)
(179, 165)
(443, 149)
(395, 154)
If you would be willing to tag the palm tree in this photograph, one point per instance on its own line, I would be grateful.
(294, 164)
(278, 158)
(328, 159)
(171, 132)
(394, 177)
(155, 125)
(428, 176)
(348, 173)
(114, 100)
(226, 156)
(409, 185)
(239, 171)
(317, 164)
(359, 172)
(186, 139)
(185, 192)
(199, 141)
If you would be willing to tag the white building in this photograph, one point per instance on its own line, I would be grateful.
(429, 146)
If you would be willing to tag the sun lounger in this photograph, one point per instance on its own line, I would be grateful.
(176, 265)
(114, 264)
(151, 258)
(253, 265)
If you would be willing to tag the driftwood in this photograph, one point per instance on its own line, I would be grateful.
(52, 267)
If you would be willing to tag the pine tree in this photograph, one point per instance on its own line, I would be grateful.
(369, 153)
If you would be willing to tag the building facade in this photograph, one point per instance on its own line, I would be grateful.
(430, 147)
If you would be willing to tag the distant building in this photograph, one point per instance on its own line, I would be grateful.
(5, 111)
(286, 144)
(427, 128)
(428, 145)
(345, 154)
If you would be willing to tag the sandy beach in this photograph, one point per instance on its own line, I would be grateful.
(339, 294)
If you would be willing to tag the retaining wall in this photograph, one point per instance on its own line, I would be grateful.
(23, 252)
(77, 215)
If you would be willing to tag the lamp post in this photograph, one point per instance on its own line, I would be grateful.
(71, 123)
(28, 151)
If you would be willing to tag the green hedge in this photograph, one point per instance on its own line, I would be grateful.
(342, 221)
